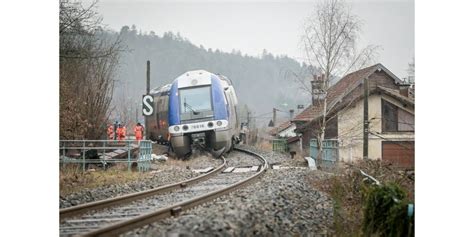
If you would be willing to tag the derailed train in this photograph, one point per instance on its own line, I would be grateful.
(197, 108)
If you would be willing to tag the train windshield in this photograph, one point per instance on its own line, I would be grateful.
(195, 102)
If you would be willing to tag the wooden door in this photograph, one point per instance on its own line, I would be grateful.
(401, 154)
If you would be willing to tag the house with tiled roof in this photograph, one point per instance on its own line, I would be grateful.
(285, 129)
(391, 117)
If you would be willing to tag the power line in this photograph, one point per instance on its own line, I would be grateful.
(283, 111)
(260, 115)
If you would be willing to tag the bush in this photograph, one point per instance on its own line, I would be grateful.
(350, 192)
(386, 212)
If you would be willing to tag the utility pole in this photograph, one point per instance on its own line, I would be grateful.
(247, 135)
(366, 118)
(274, 116)
(148, 77)
(248, 119)
(147, 91)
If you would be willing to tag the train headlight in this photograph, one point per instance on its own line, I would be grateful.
(185, 127)
(219, 123)
(210, 124)
(176, 128)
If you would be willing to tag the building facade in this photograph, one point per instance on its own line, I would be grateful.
(391, 117)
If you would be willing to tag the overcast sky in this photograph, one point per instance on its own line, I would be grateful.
(273, 25)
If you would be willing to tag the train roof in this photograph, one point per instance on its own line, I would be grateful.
(224, 78)
(159, 90)
(201, 76)
(191, 74)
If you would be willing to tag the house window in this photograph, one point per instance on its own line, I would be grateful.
(395, 119)
(406, 121)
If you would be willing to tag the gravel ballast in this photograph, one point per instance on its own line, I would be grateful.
(281, 203)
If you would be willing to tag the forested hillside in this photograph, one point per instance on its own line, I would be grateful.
(261, 82)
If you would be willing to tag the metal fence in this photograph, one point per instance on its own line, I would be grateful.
(144, 156)
(279, 145)
(330, 153)
(104, 153)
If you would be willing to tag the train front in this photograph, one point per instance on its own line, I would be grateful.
(198, 114)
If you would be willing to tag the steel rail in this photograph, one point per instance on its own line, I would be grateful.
(97, 205)
(174, 210)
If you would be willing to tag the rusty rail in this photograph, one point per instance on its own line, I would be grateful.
(174, 210)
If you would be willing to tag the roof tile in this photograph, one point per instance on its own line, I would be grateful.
(274, 131)
(337, 91)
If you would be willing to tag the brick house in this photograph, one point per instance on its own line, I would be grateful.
(391, 117)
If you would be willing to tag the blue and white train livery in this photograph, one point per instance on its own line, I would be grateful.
(198, 107)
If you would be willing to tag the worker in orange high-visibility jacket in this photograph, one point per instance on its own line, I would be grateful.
(139, 132)
(124, 134)
(121, 132)
(110, 132)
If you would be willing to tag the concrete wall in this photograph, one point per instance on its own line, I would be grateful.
(350, 129)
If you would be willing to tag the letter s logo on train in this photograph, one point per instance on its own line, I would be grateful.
(147, 106)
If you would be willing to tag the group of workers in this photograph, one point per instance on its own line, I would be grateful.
(117, 131)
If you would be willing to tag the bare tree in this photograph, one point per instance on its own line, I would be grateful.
(88, 59)
(126, 111)
(329, 42)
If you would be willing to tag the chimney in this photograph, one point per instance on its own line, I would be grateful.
(292, 112)
(404, 90)
(317, 89)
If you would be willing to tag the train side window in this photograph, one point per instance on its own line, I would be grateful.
(164, 110)
(226, 98)
(229, 102)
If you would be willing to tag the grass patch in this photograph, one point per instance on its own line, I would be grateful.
(72, 179)
(264, 145)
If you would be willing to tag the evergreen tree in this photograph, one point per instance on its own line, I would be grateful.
(259, 82)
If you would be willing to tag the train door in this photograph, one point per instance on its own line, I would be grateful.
(157, 112)
(164, 116)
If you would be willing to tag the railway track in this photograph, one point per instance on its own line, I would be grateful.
(114, 216)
